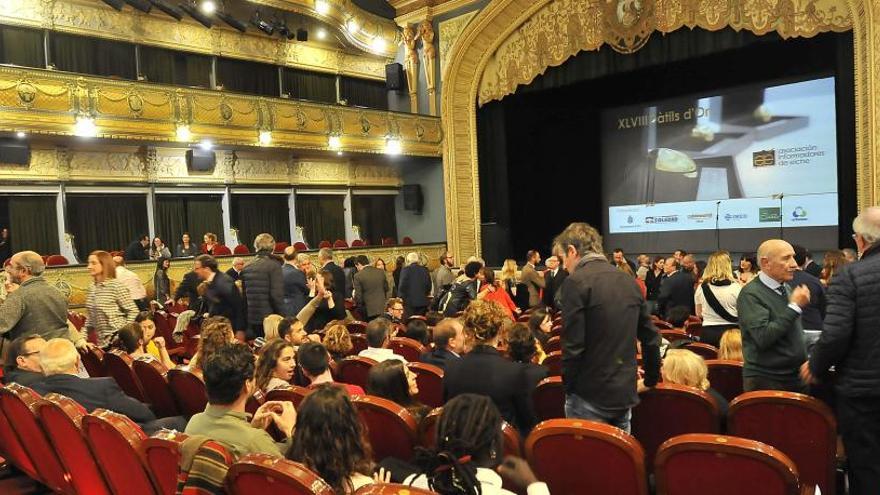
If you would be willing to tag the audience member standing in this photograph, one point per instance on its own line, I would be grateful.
(769, 314)
(850, 342)
(715, 298)
(654, 278)
(234, 271)
(415, 286)
(620, 257)
(370, 288)
(109, 306)
(748, 268)
(398, 266)
(444, 277)
(553, 278)
(833, 262)
(325, 259)
(491, 290)
(814, 312)
(222, 296)
(296, 290)
(162, 283)
(644, 262)
(810, 265)
(33, 307)
(676, 289)
(604, 314)
(533, 280)
(138, 250)
(263, 285)
(463, 290)
(689, 266)
(188, 288)
(131, 282)
(186, 249)
(380, 264)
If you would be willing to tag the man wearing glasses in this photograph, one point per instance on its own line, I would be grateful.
(443, 276)
(23, 361)
(394, 310)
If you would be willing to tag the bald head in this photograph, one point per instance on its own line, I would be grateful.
(59, 357)
(25, 265)
(776, 260)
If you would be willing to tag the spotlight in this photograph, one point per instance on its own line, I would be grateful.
(168, 9)
(142, 5)
(352, 26)
(393, 146)
(20, 134)
(232, 21)
(259, 23)
(322, 34)
(334, 142)
(196, 14)
(265, 138)
(206, 145)
(116, 4)
(183, 133)
(322, 7)
(283, 30)
(378, 44)
(85, 127)
(208, 7)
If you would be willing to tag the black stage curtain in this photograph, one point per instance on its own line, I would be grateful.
(254, 214)
(376, 217)
(92, 56)
(172, 67)
(308, 85)
(196, 215)
(248, 77)
(542, 145)
(22, 46)
(33, 224)
(321, 217)
(108, 222)
(364, 93)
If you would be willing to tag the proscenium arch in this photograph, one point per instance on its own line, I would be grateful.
(494, 24)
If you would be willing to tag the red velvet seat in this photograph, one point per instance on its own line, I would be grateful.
(556, 330)
(300, 246)
(280, 247)
(18, 404)
(119, 368)
(705, 351)
(262, 473)
(427, 433)
(241, 250)
(161, 453)
(553, 344)
(674, 335)
(387, 241)
(294, 394)
(340, 244)
(61, 418)
(390, 427)
(188, 391)
(669, 410)
(699, 464)
(726, 377)
(549, 398)
(391, 489)
(523, 318)
(357, 243)
(77, 319)
(222, 250)
(430, 381)
(156, 390)
(324, 244)
(577, 456)
(660, 324)
(410, 349)
(354, 370)
(406, 241)
(93, 362)
(13, 451)
(694, 328)
(800, 426)
(56, 260)
(116, 441)
(358, 327)
(553, 362)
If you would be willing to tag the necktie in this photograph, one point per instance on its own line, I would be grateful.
(781, 290)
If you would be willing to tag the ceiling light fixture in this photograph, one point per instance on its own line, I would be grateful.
(183, 133)
(196, 14)
(322, 7)
(21, 134)
(378, 44)
(352, 26)
(208, 7)
(322, 34)
(85, 127)
(206, 145)
(334, 142)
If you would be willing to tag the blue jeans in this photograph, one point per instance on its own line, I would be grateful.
(576, 407)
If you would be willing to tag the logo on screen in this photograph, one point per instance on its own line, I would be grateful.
(771, 214)
(662, 219)
(701, 217)
(764, 158)
(799, 214)
(735, 217)
(629, 219)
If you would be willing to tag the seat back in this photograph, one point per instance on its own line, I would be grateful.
(323, 244)
(578, 456)
(207, 472)
(390, 427)
(61, 418)
(188, 391)
(391, 489)
(354, 370)
(12, 450)
(800, 426)
(410, 349)
(723, 465)
(549, 398)
(705, 351)
(300, 246)
(339, 244)
(294, 394)
(357, 243)
(262, 473)
(241, 249)
(726, 377)
(280, 247)
(93, 362)
(18, 404)
(430, 381)
(406, 241)
(156, 389)
(115, 442)
(669, 410)
(553, 344)
(358, 338)
(57, 260)
(161, 453)
(553, 362)
(674, 335)
(119, 368)
(427, 433)
(694, 328)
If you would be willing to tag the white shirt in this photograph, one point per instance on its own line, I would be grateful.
(726, 295)
(380, 354)
(773, 284)
(490, 484)
(130, 281)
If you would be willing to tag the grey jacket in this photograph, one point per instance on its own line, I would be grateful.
(370, 288)
(35, 308)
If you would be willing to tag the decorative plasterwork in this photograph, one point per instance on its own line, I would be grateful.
(549, 32)
(44, 101)
(411, 11)
(449, 32)
(93, 18)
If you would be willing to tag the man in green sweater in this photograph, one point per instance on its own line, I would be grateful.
(769, 314)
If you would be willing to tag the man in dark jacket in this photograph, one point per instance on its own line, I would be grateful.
(137, 250)
(463, 290)
(415, 287)
(677, 289)
(296, 290)
(850, 342)
(263, 285)
(604, 314)
(370, 288)
(448, 343)
(23, 361)
(222, 297)
(553, 279)
(234, 271)
(325, 260)
(814, 312)
(189, 289)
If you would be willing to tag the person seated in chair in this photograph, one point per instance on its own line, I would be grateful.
(417, 330)
(138, 341)
(378, 334)
(448, 343)
(23, 361)
(392, 380)
(315, 362)
(229, 381)
(60, 363)
(683, 367)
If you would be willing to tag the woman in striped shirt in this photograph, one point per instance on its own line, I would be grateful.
(109, 305)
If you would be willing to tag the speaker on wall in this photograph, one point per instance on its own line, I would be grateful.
(15, 151)
(395, 77)
(199, 160)
(302, 35)
(412, 198)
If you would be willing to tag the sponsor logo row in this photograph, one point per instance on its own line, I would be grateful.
(765, 215)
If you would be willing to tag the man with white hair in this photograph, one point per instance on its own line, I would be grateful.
(33, 306)
(850, 342)
(235, 270)
(769, 313)
(131, 282)
(414, 287)
(263, 284)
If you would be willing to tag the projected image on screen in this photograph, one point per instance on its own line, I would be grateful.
(755, 158)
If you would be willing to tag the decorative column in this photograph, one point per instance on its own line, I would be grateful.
(429, 53)
(411, 66)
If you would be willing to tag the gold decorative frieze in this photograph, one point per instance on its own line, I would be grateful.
(48, 102)
(449, 32)
(93, 18)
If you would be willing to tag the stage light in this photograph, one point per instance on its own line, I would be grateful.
(322, 7)
(85, 127)
(196, 14)
(21, 134)
(334, 142)
(142, 5)
(393, 146)
(208, 7)
(116, 4)
(206, 145)
(168, 9)
(258, 22)
(183, 133)
(322, 34)
(232, 21)
(378, 44)
(352, 26)
(265, 138)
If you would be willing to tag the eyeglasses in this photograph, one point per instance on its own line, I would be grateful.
(396, 309)
(26, 354)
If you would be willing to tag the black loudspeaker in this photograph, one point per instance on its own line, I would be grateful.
(395, 78)
(15, 152)
(412, 198)
(199, 160)
(302, 35)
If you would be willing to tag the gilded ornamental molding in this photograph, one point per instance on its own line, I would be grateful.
(47, 102)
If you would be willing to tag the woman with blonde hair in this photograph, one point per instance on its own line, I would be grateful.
(683, 367)
(731, 347)
(509, 279)
(109, 305)
(715, 298)
(337, 340)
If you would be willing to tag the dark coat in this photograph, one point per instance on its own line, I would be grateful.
(94, 393)
(486, 372)
(136, 252)
(263, 286)
(224, 299)
(676, 290)
(652, 284)
(234, 275)
(296, 291)
(22, 377)
(850, 338)
(189, 288)
(370, 289)
(813, 269)
(814, 313)
(439, 357)
(552, 285)
(604, 313)
(462, 293)
(338, 283)
(415, 286)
